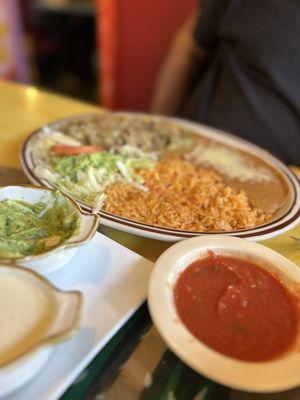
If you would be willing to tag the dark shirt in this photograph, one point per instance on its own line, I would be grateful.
(251, 85)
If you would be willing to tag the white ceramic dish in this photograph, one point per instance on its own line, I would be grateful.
(62, 310)
(58, 256)
(113, 281)
(289, 217)
(21, 372)
(272, 376)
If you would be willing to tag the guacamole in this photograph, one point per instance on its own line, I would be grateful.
(29, 229)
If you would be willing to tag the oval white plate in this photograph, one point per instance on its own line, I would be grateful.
(289, 218)
(276, 375)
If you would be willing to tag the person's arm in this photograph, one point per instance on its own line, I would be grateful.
(178, 71)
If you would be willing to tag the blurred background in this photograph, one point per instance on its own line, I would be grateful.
(101, 51)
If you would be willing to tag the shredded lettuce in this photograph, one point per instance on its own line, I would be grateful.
(86, 176)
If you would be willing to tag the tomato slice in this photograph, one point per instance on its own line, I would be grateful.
(74, 150)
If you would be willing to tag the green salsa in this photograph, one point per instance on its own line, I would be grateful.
(30, 229)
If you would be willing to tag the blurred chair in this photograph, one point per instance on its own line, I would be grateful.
(133, 37)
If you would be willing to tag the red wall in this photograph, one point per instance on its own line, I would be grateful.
(134, 36)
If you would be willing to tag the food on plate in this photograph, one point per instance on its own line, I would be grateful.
(33, 228)
(182, 196)
(74, 150)
(86, 176)
(126, 164)
(26, 312)
(236, 307)
(113, 131)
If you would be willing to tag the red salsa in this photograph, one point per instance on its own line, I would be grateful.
(237, 308)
